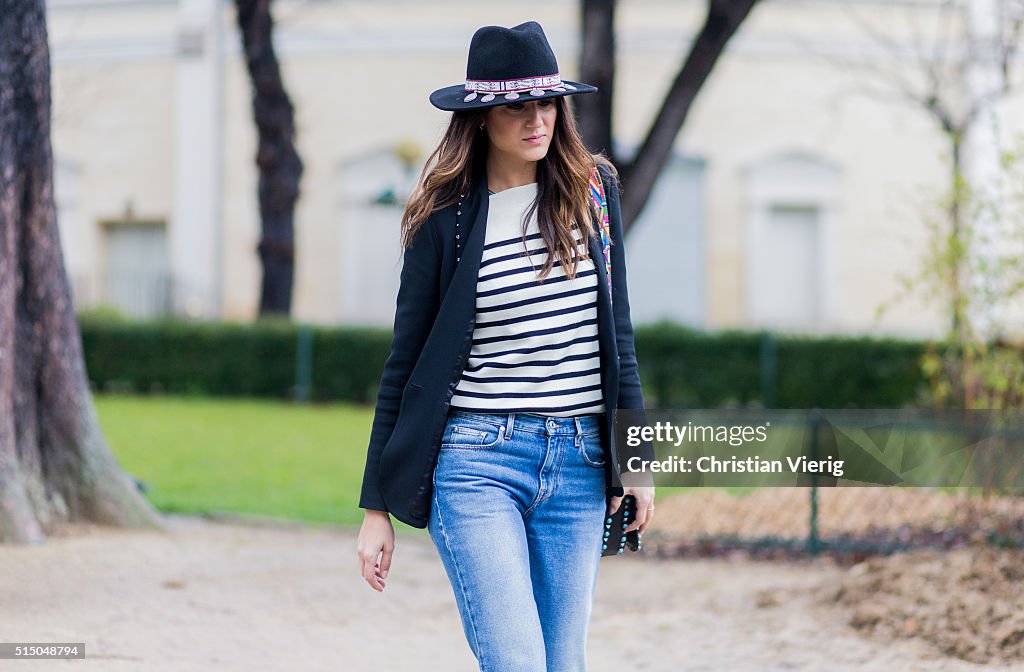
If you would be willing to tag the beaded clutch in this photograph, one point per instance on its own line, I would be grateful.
(615, 541)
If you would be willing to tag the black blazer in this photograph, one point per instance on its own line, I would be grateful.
(434, 319)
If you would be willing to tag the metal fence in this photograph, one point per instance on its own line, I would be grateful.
(851, 522)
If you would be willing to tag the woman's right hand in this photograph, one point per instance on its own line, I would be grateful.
(376, 538)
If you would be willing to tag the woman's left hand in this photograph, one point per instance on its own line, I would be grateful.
(644, 506)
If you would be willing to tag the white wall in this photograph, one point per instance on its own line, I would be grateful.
(359, 74)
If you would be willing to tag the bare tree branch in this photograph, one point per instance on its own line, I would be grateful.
(723, 19)
(1013, 20)
(945, 38)
(885, 71)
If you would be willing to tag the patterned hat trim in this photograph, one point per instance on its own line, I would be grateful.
(510, 88)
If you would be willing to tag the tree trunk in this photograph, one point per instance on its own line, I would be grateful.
(956, 255)
(959, 273)
(597, 67)
(279, 165)
(55, 465)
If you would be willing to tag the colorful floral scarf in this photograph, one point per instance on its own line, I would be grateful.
(597, 193)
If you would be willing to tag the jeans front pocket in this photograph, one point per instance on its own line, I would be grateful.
(591, 449)
(465, 433)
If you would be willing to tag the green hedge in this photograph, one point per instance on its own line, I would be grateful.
(682, 368)
(230, 359)
(679, 367)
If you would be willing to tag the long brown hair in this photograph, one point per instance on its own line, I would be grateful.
(563, 183)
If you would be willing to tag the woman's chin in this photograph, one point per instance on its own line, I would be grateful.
(535, 153)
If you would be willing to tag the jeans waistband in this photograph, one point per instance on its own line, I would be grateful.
(541, 424)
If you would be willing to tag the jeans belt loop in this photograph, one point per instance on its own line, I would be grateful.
(508, 425)
(579, 427)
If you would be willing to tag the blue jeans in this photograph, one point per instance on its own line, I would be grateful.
(518, 518)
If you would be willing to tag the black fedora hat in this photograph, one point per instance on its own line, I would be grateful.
(507, 65)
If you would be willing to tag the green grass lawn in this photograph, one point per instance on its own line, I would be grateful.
(256, 457)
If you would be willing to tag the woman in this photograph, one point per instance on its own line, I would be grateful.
(494, 412)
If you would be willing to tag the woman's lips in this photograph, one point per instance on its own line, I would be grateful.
(535, 140)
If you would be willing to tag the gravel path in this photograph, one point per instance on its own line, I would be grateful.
(212, 595)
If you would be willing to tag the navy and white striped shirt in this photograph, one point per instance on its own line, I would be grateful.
(535, 345)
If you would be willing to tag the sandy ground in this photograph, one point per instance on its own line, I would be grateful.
(228, 596)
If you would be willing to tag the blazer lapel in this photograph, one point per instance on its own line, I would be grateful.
(606, 329)
(461, 295)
